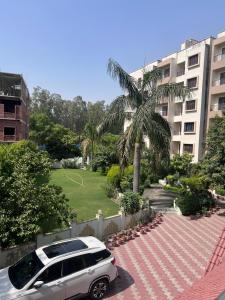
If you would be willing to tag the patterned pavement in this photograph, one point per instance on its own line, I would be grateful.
(166, 261)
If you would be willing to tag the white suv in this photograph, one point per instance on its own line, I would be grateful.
(61, 271)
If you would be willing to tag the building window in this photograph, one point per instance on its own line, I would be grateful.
(188, 148)
(221, 103)
(164, 111)
(166, 72)
(190, 105)
(189, 127)
(193, 60)
(192, 83)
(222, 78)
(223, 51)
(9, 107)
(9, 131)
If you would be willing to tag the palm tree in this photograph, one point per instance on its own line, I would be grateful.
(88, 144)
(142, 98)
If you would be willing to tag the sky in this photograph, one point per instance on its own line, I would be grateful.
(64, 45)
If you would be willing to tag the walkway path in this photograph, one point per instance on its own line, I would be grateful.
(160, 199)
(164, 262)
(161, 264)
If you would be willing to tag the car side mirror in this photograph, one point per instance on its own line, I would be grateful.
(38, 284)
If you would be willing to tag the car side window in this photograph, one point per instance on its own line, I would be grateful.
(73, 265)
(94, 258)
(101, 255)
(52, 273)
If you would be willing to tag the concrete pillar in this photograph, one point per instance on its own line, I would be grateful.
(100, 218)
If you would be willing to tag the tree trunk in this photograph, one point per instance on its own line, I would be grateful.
(137, 167)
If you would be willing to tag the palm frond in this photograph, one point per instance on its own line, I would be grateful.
(170, 91)
(116, 113)
(151, 77)
(126, 144)
(126, 81)
(158, 132)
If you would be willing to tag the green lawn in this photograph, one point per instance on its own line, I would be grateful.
(85, 192)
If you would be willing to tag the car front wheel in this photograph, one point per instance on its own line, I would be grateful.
(99, 289)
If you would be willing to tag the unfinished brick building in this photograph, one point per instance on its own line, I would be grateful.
(14, 101)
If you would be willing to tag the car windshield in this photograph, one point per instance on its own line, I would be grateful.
(24, 270)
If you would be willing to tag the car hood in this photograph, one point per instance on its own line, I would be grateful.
(7, 290)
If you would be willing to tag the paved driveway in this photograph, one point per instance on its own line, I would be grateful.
(167, 260)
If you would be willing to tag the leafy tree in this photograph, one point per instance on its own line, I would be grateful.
(213, 165)
(131, 202)
(181, 164)
(60, 142)
(29, 204)
(96, 112)
(106, 153)
(145, 121)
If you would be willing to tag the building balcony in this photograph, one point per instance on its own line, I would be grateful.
(164, 63)
(180, 73)
(217, 110)
(12, 86)
(164, 80)
(218, 87)
(219, 41)
(219, 62)
(9, 115)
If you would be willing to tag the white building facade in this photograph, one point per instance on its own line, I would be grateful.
(192, 67)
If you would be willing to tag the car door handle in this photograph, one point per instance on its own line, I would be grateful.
(90, 271)
(59, 282)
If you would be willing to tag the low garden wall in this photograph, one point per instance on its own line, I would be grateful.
(99, 227)
(220, 200)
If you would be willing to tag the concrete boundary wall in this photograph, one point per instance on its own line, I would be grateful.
(99, 227)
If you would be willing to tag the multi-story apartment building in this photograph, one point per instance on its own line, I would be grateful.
(14, 100)
(217, 79)
(192, 66)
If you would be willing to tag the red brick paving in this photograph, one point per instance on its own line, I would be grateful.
(166, 261)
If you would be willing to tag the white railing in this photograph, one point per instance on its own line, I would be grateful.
(218, 82)
(217, 106)
(219, 57)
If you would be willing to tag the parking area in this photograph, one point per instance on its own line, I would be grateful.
(164, 262)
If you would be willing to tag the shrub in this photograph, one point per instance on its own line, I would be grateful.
(174, 189)
(195, 183)
(170, 179)
(191, 202)
(131, 202)
(181, 163)
(114, 175)
(141, 189)
(129, 170)
(109, 190)
(125, 185)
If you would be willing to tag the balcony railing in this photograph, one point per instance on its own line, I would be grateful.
(9, 115)
(219, 57)
(217, 106)
(180, 73)
(9, 138)
(176, 132)
(218, 82)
